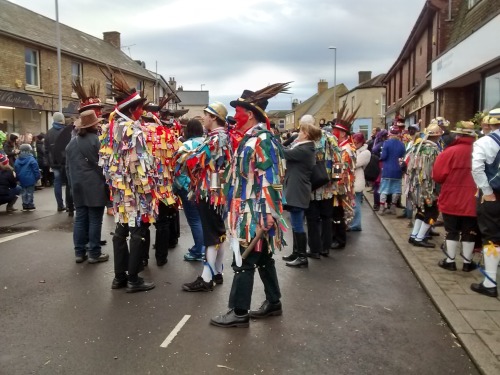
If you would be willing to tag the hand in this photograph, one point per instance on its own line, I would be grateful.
(270, 222)
(489, 198)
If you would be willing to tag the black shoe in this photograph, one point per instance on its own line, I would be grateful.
(481, 289)
(447, 266)
(61, 209)
(172, 245)
(411, 240)
(425, 244)
(468, 267)
(299, 262)
(218, 279)
(81, 259)
(199, 285)
(161, 262)
(267, 309)
(103, 242)
(313, 255)
(433, 234)
(325, 253)
(376, 207)
(291, 257)
(337, 246)
(145, 262)
(118, 283)
(139, 286)
(230, 319)
(71, 213)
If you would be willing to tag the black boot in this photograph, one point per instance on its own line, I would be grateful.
(293, 255)
(301, 260)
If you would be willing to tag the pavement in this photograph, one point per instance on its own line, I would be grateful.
(473, 318)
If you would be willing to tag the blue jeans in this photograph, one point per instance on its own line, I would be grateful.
(297, 219)
(194, 221)
(27, 196)
(356, 221)
(58, 186)
(87, 230)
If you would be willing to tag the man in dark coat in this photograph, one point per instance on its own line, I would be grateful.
(87, 182)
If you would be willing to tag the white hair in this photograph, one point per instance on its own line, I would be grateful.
(307, 120)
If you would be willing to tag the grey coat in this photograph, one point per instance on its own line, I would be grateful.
(84, 175)
(300, 161)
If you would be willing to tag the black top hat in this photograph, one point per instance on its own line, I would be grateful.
(257, 107)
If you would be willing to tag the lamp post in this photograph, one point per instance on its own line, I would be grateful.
(334, 81)
(58, 41)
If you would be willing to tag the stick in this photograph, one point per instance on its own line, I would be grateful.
(252, 244)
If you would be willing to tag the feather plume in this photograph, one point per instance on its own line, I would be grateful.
(164, 101)
(268, 92)
(79, 90)
(120, 87)
(343, 115)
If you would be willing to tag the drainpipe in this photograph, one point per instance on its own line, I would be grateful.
(449, 11)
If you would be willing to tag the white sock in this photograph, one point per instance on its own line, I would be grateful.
(219, 260)
(451, 250)
(422, 232)
(209, 266)
(467, 250)
(416, 227)
(491, 266)
(383, 199)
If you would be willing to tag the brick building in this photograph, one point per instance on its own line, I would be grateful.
(29, 92)
(408, 81)
(466, 76)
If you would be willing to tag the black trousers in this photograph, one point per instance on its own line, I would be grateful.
(488, 218)
(242, 287)
(339, 228)
(428, 214)
(126, 260)
(212, 223)
(460, 228)
(319, 225)
(165, 230)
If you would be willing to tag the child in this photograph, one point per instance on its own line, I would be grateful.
(9, 190)
(28, 173)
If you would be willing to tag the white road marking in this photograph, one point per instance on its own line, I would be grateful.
(175, 331)
(14, 236)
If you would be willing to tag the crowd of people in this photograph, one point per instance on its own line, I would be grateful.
(235, 177)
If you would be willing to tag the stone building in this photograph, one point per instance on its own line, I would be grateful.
(29, 86)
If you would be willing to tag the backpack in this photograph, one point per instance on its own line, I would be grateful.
(372, 169)
(493, 170)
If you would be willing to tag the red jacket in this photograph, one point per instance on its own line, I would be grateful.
(452, 169)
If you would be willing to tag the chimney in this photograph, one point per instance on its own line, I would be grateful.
(113, 38)
(322, 86)
(295, 103)
(364, 76)
(172, 83)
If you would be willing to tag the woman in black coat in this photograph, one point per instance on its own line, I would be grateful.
(87, 184)
(300, 160)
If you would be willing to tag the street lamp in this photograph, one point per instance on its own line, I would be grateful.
(334, 81)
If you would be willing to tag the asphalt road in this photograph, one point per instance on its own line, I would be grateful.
(360, 311)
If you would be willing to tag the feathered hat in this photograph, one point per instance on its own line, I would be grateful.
(257, 101)
(124, 95)
(345, 119)
(90, 101)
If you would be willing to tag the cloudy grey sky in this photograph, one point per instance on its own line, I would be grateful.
(231, 45)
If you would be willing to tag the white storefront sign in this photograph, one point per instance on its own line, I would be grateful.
(477, 50)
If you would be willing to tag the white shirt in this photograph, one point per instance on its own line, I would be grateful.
(484, 151)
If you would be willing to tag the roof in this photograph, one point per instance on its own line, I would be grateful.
(376, 81)
(21, 23)
(193, 97)
(278, 113)
(316, 102)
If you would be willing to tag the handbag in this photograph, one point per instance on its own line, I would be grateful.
(319, 175)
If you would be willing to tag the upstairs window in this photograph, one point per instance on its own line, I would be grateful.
(76, 72)
(32, 65)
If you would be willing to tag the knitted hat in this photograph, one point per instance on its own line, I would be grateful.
(58, 118)
(4, 160)
(25, 148)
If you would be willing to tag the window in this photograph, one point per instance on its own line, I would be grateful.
(31, 61)
(382, 105)
(353, 103)
(492, 92)
(472, 3)
(140, 85)
(76, 72)
(109, 91)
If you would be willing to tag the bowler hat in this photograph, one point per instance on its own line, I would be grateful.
(87, 119)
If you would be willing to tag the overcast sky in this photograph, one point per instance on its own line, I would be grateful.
(229, 45)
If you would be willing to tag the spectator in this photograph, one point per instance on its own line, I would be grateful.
(371, 142)
(362, 160)
(380, 138)
(457, 203)
(41, 158)
(27, 173)
(391, 183)
(11, 149)
(9, 191)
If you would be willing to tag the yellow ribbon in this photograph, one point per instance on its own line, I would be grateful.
(490, 249)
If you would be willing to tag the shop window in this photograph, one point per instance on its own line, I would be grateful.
(31, 61)
(492, 91)
(472, 3)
